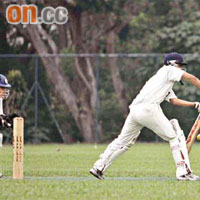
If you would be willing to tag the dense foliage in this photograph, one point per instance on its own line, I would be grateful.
(153, 26)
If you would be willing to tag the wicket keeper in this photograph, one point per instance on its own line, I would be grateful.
(145, 111)
(5, 120)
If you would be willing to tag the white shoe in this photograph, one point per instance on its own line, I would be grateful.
(97, 173)
(1, 175)
(188, 177)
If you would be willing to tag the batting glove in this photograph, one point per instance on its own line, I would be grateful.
(197, 106)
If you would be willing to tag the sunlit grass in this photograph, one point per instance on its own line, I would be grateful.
(143, 160)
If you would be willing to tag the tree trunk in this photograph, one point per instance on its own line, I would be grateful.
(111, 38)
(85, 71)
(62, 32)
(83, 116)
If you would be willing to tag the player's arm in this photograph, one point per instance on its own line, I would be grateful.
(183, 103)
(180, 102)
(192, 79)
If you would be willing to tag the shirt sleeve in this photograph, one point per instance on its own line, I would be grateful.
(175, 74)
(170, 95)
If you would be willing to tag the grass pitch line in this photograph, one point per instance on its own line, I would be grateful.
(92, 178)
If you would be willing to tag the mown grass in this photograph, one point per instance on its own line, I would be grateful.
(143, 160)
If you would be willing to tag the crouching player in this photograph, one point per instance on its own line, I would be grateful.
(6, 121)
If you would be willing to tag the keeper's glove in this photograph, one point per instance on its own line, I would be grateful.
(197, 106)
(4, 123)
(7, 120)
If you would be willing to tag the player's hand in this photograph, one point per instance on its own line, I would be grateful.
(197, 106)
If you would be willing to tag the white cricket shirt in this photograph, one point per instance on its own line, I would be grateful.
(159, 87)
(1, 106)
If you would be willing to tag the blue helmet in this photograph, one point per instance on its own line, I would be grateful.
(4, 82)
(178, 58)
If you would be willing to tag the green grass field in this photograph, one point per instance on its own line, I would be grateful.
(61, 172)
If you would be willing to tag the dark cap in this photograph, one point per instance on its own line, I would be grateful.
(174, 56)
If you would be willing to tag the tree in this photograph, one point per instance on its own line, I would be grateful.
(103, 26)
(80, 100)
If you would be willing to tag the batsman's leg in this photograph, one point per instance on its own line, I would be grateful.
(125, 140)
(180, 154)
(183, 148)
(159, 123)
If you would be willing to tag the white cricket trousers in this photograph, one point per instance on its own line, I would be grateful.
(143, 115)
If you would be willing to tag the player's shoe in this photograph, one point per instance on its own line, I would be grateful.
(97, 173)
(188, 177)
(1, 175)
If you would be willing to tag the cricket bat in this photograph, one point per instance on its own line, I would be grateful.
(193, 134)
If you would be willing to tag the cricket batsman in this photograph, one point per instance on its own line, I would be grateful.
(6, 121)
(145, 111)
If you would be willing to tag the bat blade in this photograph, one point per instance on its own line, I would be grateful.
(193, 134)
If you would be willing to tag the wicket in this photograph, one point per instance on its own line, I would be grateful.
(18, 145)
